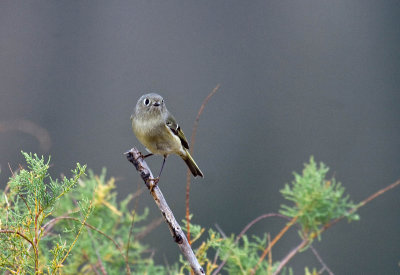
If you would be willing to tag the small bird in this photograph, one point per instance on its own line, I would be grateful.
(158, 131)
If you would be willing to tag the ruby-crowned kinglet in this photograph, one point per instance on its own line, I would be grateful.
(158, 131)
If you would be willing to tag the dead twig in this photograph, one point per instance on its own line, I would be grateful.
(291, 255)
(135, 157)
(324, 266)
(192, 142)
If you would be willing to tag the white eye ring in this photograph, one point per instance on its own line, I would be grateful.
(146, 101)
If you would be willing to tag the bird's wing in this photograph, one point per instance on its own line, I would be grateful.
(176, 129)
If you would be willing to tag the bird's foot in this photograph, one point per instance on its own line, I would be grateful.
(145, 156)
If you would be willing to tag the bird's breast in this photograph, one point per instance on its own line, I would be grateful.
(156, 137)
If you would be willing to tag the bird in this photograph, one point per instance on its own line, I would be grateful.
(156, 128)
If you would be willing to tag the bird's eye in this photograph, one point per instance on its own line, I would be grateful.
(146, 102)
(162, 101)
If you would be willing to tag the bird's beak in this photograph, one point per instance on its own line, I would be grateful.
(156, 103)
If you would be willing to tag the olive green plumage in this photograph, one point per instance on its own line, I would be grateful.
(156, 128)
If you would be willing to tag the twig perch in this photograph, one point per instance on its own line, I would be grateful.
(135, 157)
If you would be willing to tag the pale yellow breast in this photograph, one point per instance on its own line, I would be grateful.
(156, 137)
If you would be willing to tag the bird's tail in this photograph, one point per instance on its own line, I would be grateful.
(192, 164)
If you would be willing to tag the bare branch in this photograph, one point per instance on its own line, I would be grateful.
(324, 266)
(192, 142)
(135, 157)
(291, 255)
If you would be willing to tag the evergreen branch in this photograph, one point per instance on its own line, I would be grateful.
(95, 229)
(76, 237)
(7, 231)
(312, 236)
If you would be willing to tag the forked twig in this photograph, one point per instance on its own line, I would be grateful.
(291, 255)
(324, 266)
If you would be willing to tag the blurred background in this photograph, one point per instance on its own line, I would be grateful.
(298, 78)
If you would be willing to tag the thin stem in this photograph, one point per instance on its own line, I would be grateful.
(361, 204)
(274, 241)
(269, 255)
(132, 224)
(76, 238)
(256, 220)
(290, 256)
(93, 228)
(324, 266)
(192, 142)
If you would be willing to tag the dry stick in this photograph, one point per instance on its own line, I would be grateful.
(136, 158)
(192, 142)
(290, 256)
(324, 266)
(256, 220)
(328, 225)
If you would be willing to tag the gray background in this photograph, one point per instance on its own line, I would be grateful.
(298, 78)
